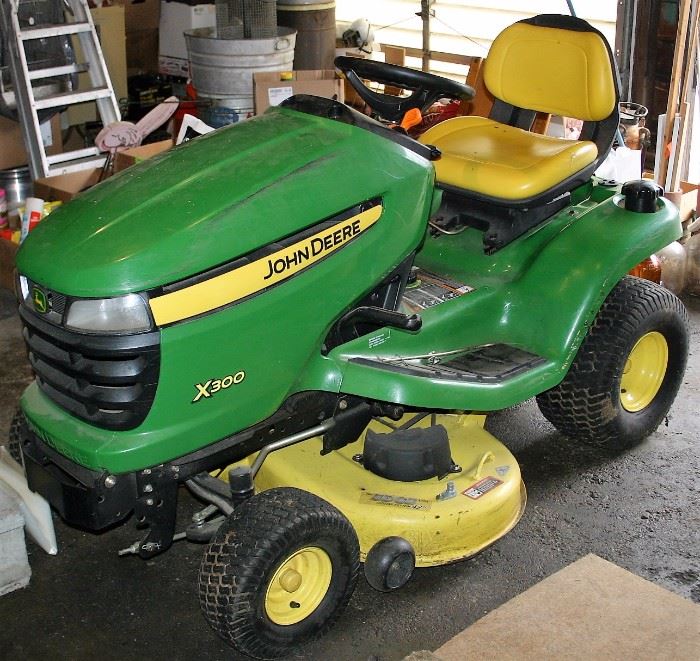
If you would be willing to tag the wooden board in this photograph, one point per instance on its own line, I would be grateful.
(591, 609)
(684, 105)
(676, 70)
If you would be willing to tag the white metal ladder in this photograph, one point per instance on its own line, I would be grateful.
(29, 104)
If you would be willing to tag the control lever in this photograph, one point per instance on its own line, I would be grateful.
(381, 317)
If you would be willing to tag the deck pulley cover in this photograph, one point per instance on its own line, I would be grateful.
(408, 455)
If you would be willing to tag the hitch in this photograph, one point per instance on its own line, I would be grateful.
(155, 508)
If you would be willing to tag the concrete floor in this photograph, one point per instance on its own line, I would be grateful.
(639, 509)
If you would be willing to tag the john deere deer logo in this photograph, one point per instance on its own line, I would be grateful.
(39, 298)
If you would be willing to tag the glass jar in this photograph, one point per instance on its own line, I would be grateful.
(692, 277)
(673, 261)
(649, 269)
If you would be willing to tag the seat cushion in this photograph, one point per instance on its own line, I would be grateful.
(499, 161)
(563, 72)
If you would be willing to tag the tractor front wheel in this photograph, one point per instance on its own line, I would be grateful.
(279, 572)
(627, 371)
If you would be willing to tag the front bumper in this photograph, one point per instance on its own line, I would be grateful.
(81, 496)
(95, 500)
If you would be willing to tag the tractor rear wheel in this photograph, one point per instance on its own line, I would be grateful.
(279, 572)
(628, 370)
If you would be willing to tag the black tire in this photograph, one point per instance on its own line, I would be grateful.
(259, 538)
(587, 404)
(18, 430)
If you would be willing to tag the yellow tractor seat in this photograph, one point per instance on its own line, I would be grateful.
(559, 65)
(501, 161)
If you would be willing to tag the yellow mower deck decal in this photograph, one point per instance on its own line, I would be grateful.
(265, 272)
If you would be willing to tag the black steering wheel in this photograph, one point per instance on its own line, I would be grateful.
(426, 87)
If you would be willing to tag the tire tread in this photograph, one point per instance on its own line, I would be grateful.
(581, 406)
(251, 539)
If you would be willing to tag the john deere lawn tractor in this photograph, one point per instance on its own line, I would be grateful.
(304, 318)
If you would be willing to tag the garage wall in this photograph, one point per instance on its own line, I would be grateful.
(463, 26)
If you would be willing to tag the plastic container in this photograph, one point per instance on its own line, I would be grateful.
(218, 116)
(33, 213)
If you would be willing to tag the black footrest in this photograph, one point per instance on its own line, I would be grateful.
(491, 363)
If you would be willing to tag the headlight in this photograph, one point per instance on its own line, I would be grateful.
(121, 314)
(22, 290)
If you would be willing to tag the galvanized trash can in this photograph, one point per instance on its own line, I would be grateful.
(222, 69)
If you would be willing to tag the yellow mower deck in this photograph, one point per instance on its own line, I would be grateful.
(489, 496)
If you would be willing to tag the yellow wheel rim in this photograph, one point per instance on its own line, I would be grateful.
(644, 372)
(298, 586)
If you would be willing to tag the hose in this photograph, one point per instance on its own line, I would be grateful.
(209, 495)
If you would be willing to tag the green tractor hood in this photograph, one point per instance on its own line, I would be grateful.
(207, 202)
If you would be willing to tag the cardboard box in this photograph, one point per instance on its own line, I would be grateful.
(109, 23)
(140, 14)
(687, 199)
(173, 66)
(142, 51)
(65, 187)
(175, 19)
(141, 19)
(12, 150)
(272, 87)
(129, 157)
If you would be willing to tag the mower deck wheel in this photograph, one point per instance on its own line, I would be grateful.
(627, 371)
(278, 572)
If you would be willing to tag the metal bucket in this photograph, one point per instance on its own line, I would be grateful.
(315, 25)
(18, 186)
(224, 68)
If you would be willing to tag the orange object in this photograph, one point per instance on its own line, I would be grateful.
(34, 219)
(437, 113)
(649, 269)
(412, 118)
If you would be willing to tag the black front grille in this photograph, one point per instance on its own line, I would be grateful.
(57, 302)
(107, 380)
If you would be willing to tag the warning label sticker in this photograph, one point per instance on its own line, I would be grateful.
(482, 487)
(378, 340)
